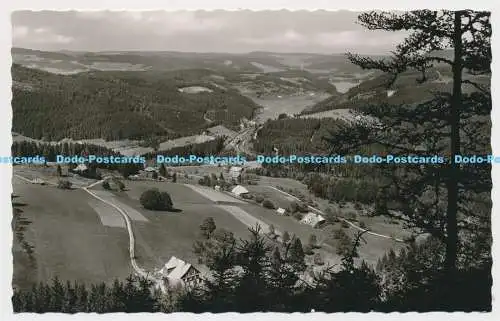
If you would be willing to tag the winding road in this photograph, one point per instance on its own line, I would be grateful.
(140, 271)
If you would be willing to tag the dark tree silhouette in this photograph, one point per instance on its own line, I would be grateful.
(207, 227)
(453, 122)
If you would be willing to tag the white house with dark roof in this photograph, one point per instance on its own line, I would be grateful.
(313, 219)
(239, 190)
(176, 272)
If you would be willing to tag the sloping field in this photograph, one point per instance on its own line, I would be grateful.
(180, 193)
(69, 239)
(108, 215)
(273, 195)
(131, 212)
(213, 195)
(48, 174)
(173, 233)
(246, 218)
(342, 114)
(126, 147)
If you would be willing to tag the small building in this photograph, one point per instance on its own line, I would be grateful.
(176, 272)
(235, 172)
(239, 191)
(81, 168)
(313, 219)
(38, 180)
(150, 172)
(281, 211)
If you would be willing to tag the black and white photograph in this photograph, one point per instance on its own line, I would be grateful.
(251, 161)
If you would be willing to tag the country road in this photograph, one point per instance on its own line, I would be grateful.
(140, 271)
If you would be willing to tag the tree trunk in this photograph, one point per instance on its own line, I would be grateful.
(452, 182)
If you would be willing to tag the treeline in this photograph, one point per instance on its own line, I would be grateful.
(50, 151)
(367, 190)
(274, 275)
(133, 295)
(115, 106)
(295, 135)
(212, 147)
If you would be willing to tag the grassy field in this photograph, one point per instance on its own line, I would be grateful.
(68, 237)
(77, 238)
(173, 233)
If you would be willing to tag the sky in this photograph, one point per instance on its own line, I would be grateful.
(199, 31)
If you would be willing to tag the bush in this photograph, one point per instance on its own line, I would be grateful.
(351, 216)
(344, 247)
(318, 260)
(313, 241)
(268, 204)
(298, 207)
(339, 234)
(308, 249)
(153, 199)
(120, 185)
(105, 185)
(286, 237)
(331, 216)
(259, 198)
(357, 206)
(297, 216)
(64, 184)
(246, 196)
(362, 224)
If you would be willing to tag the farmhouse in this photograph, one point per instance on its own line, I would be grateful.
(80, 168)
(235, 172)
(220, 131)
(150, 171)
(176, 272)
(313, 219)
(280, 211)
(239, 190)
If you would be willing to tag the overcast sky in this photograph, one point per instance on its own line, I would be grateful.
(199, 31)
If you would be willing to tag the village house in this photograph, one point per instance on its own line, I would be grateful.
(281, 211)
(176, 272)
(235, 173)
(239, 191)
(313, 219)
(81, 168)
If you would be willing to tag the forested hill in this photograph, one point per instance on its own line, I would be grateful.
(118, 105)
(405, 90)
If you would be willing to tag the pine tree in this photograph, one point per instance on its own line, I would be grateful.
(436, 123)
(297, 255)
(220, 287)
(253, 258)
(163, 170)
(207, 227)
(285, 238)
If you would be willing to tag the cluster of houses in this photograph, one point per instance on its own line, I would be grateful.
(313, 219)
